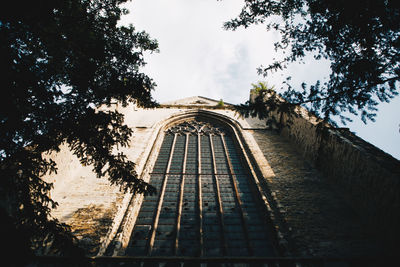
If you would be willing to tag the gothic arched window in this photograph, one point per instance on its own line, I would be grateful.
(204, 204)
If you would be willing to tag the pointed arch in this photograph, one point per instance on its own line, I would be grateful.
(208, 203)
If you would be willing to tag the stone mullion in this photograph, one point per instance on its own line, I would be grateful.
(237, 196)
(219, 201)
(180, 200)
(200, 209)
(160, 201)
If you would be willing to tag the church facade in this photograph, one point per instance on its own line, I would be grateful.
(229, 186)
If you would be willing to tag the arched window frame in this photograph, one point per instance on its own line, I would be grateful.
(167, 126)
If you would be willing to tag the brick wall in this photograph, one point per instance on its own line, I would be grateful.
(368, 177)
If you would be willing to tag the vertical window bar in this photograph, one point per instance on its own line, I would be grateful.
(219, 202)
(160, 201)
(200, 209)
(178, 218)
(237, 196)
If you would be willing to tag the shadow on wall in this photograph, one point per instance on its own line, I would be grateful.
(90, 224)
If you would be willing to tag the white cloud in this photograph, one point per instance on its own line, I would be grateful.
(198, 57)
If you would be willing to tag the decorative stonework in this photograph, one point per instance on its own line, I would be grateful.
(197, 127)
(199, 102)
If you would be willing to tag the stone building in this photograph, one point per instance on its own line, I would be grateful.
(229, 186)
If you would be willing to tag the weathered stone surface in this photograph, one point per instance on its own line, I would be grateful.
(88, 204)
(329, 192)
(369, 177)
(323, 223)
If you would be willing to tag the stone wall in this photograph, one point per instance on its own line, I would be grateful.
(368, 177)
(313, 214)
(87, 203)
(324, 216)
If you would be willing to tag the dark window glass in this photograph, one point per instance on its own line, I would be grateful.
(208, 213)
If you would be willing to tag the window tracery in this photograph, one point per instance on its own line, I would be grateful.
(197, 127)
(204, 204)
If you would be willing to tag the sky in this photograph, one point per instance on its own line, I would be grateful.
(198, 57)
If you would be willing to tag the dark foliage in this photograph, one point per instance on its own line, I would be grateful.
(361, 39)
(60, 59)
(263, 101)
